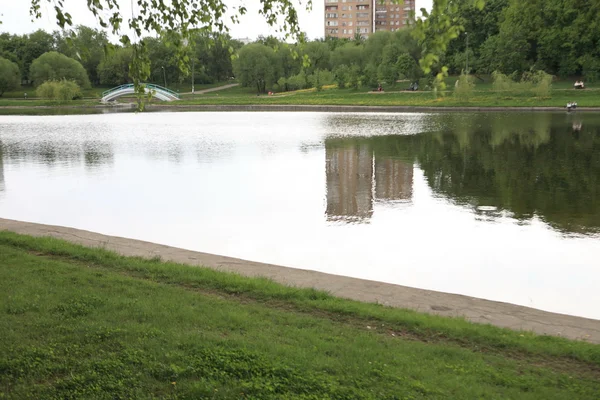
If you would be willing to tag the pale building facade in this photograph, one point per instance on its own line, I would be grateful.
(346, 18)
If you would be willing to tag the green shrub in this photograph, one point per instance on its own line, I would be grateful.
(282, 85)
(340, 75)
(501, 82)
(463, 89)
(354, 77)
(320, 78)
(59, 90)
(538, 83)
(298, 81)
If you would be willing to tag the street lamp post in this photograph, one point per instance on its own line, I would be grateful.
(164, 75)
(467, 68)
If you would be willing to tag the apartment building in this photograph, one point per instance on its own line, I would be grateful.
(346, 18)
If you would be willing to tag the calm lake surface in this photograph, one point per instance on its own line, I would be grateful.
(503, 206)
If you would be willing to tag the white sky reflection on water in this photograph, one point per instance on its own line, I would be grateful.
(254, 186)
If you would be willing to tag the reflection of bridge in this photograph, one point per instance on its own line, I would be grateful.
(159, 92)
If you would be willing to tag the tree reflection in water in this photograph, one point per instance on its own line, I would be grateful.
(544, 165)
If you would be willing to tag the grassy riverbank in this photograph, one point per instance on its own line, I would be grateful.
(87, 323)
(482, 96)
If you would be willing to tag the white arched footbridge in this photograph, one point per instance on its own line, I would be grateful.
(159, 92)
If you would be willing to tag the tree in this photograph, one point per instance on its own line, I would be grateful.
(35, 45)
(256, 66)
(388, 69)
(85, 45)
(114, 69)
(53, 66)
(26, 48)
(479, 24)
(318, 53)
(408, 68)
(375, 44)
(9, 75)
(348, 54)
(163, 61)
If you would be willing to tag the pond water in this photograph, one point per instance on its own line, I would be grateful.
(500, 206)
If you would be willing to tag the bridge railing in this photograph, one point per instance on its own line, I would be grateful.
(148, 86)
(115, 89)
(164, 89)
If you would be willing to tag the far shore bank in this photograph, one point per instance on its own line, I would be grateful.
(292, 108)
(445, 304)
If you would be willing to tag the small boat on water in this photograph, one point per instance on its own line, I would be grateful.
(571, 106)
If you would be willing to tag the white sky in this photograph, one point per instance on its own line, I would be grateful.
(15, 17)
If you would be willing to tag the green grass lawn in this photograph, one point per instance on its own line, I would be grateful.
(482, 96)
(86, 323)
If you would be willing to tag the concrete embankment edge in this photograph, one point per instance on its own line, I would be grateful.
(351, 109)
(473, 309)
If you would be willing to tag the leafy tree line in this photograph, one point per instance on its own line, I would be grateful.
(106, 64)
(559, 37)
(384, 57)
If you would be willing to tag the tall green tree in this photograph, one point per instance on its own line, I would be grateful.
(319, 55)
(26, 48)
(114, 69)
(388, 68)
(256, 66)
(86, 45)
(56, 66)
(10, 77)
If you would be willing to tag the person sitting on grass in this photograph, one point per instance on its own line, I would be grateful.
(579, 85)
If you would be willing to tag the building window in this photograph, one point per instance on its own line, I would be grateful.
(362, 15)
(362, 23)
(332, 23)
(362, 7)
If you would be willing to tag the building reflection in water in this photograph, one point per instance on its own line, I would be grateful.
(356, 178)
(1, 169)
(393, 179)
(349, 173)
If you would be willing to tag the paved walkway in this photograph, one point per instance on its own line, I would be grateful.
(214, 89)
(475, 310)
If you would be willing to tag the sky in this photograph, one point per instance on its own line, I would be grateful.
(16, 19)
